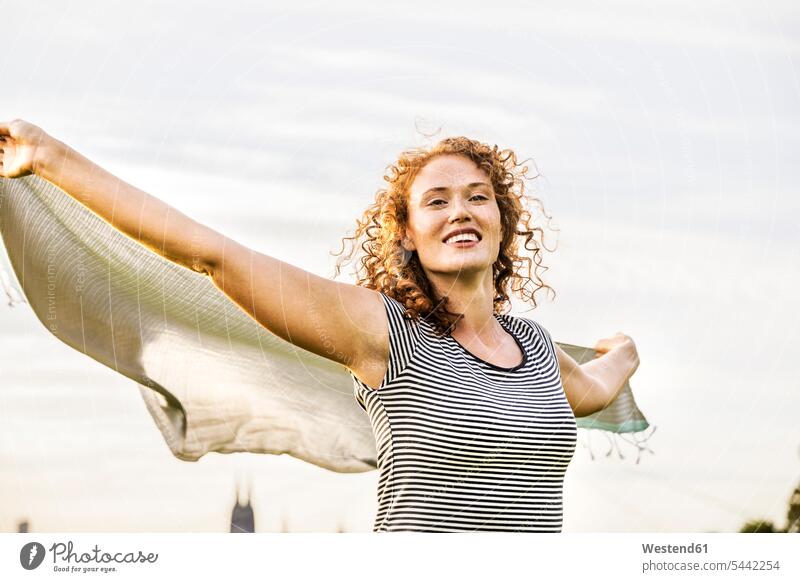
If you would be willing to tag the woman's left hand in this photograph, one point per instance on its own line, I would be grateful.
(621, 342)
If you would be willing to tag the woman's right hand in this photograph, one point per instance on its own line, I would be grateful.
(21, 147)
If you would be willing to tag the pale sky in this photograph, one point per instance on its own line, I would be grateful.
(664, 134)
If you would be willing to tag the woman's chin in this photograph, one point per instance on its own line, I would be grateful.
(467, 266)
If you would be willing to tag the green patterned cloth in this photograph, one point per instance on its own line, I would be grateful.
(212, 378)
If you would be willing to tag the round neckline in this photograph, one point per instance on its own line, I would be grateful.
(503, 323)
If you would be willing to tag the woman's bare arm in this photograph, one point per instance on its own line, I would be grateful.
(339, 321)
(161, 228)
(593, 385)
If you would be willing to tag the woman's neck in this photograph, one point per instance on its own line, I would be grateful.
(475, 299)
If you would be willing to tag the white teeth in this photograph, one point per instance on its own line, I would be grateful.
(464, 237)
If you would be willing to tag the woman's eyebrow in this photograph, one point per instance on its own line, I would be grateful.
(438, 189)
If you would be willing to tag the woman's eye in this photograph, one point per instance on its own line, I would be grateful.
(438, 201)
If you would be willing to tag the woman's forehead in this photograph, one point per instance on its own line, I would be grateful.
(448, 171)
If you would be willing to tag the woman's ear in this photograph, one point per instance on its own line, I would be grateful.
(407, 244)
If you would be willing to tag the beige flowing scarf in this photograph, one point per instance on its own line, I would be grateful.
(212, 378)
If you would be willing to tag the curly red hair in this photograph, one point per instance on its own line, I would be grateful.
(388, 268)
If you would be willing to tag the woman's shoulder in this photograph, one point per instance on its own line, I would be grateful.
(529, 325)
(398, 311)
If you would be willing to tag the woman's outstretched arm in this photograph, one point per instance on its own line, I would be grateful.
(593, 385)
(342, 322)
(27, 149)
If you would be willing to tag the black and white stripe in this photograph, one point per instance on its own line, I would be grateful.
(464, 445)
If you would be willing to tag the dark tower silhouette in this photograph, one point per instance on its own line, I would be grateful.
(243, 519)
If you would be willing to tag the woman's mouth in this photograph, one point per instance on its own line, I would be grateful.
(463, 244)
(463, 239)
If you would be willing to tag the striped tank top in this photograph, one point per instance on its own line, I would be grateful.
(462, 444)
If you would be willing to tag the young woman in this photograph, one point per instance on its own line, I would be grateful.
(473, 411)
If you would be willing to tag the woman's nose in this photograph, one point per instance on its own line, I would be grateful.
(459, 209)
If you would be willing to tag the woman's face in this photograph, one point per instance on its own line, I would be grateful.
(450, 194)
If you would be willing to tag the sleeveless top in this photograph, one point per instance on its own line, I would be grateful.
(462, 444)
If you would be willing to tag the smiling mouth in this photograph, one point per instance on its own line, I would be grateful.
(463, 244)
(463, 239)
